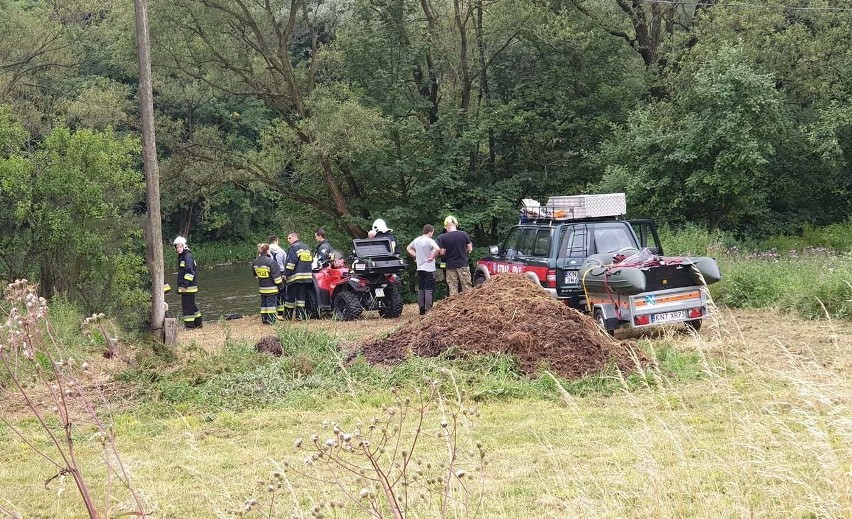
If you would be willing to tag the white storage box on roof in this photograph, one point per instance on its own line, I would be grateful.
(588, 206)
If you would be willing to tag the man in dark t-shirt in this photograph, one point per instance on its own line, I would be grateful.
(455, 247)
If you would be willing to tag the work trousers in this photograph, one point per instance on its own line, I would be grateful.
(458, 280)
(425, 289)
(296, 295)
(281, 299)
(191, 315)
(267, 307)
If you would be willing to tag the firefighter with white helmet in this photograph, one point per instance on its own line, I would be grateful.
(380, 230)
(187, 282)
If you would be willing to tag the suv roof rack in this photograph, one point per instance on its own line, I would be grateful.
(574, 208)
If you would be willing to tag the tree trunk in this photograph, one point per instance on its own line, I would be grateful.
(153, 229)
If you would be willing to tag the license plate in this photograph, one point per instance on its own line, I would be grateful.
(572, 277)
(669, 317)
(380, 292)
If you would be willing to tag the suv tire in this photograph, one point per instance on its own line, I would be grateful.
(390, 306)
(347, 305)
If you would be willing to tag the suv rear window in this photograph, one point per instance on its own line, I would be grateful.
(610, 238)
(573, 242)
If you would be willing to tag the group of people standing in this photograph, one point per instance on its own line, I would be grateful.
(455, 247)
(284, 277)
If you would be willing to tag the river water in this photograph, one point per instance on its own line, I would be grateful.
(222, 290)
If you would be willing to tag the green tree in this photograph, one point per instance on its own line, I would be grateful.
(705, 154)
(67, 216)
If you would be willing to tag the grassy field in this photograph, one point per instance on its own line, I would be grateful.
(749, 419)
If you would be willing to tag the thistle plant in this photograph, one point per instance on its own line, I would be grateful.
(415, 459)
(33, 361)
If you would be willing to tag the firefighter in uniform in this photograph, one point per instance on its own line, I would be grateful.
(268, 276)
(380, 230)
(297, 270)
(187, 284)
(323, 252)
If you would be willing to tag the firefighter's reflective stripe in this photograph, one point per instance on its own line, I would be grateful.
(300, 277)
(193, 317)
(186, 275)
(299, 260)
(167, 288)
(268, 290)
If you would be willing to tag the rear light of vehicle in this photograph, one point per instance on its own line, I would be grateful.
(641, 320)
(392, 278)
(695, 313)
(551, 278)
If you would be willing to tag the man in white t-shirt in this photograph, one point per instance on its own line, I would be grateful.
(424, 249)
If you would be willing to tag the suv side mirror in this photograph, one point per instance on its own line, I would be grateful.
(493, 250)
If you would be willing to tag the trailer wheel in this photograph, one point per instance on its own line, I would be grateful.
(694, 324)
(599, 317)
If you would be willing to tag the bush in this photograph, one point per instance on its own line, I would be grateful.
(812, 285)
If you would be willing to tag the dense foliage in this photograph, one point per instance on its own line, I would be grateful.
(277, 116)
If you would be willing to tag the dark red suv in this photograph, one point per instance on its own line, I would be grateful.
(551, 251)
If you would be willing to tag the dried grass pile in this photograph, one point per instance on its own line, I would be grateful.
(508, 314)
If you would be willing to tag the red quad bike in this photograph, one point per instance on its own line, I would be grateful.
(373, 282)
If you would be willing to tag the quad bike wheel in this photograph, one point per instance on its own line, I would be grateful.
(390, 306)
(347, 306)
(478, 280)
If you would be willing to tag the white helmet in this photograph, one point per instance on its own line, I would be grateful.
(180, 240)
(380, 226)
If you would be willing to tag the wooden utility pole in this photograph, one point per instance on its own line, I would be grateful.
(153, 229)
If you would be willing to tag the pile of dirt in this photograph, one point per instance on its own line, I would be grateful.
(269, 344)
(509, 314)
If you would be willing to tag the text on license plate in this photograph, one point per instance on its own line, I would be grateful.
(669, 317)
(380, 292)
(572, 277)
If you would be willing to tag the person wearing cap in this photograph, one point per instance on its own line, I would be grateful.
(424, 249)
(187, 282)
(380, 230)
(455, 248)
